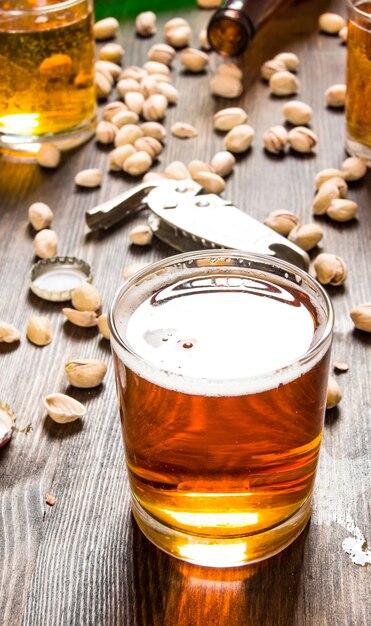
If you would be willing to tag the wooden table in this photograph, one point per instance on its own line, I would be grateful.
(84, 561)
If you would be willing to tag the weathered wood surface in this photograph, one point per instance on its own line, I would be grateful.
(84, 562)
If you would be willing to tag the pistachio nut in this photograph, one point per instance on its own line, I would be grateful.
(111, 109)
(125, 117)
(62, 408)
(46, 243)
(354, 168)
(289, 59)
(128, 133)
(141, 235)
(89, 178)
(133, 71)
(226, 119)
(40, 215)
(341, 366)
(48, 156)
(84, 319)
(154, 129)
(145, 23)
(105, 29)
(226, 86)
(103, 86)
(324, 175)
(324, 196)
(283, 83)
(103, 71)
(204, 42)
(138, 163)
(331, 23)
(154, 108)
(162, 53)
(39, 330)
(149, 86)
(194, 60)
(282, 221)
(306, 236)
(8, 333)
(161, 78)
(211, 182)
(361, 317)
(330, 269)
(150, 145)
(176, 170)
(302, 139)
(113, 52)
(223, 163)
(155, 67)
(108, 67)
(103, 326)
(270, 67)
(275, 139)
(179, 36)
(334, 394)
(297, 113)
(134, 101)
(183, 130)
(228, 68)
(335, 95)
(342, 210)
(169, 91)
(239, 138)
(340, 184)
(126, 85)
(105, 132)
(86, 297)
(195, 166)
(343, 34)
(85, 373)
(118, 156)
(175, 22)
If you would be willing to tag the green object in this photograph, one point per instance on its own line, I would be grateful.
(124, 9)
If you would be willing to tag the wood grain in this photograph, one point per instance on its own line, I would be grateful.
(84, 561)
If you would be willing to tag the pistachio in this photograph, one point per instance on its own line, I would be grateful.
(195, 166)
(62, 408)
(239, 138)
(226, 119)
(176, 170)
(230, 69)
(226, 86)
(154, 129)
(111, 109)
(149, 86)
(342, 210)
(354, 168)
(275, 139)
(169, 91)
(325, 195)
(282, 221)
(113, 52)
(106, 132)
(84, 319)
(154, 108)
(270, 67)
(49, 156)
(134, 101)
(208, 4)
(334, 394)
(361, 317)
(289, 59)
(150, 176)
(138, 163)
(283, 83)
(89, 178)
(118, 156)
(223, 163)
(161, 78)
(162, 53)
(85, 373)
(341, 366)
(297, 113)
(86, 297)
(127, 134)
(178, 36)
(204, 42)
(343, 34)
(103, 326)
(133, 71)
(40, 215)
(194, 60)
(105, 29)
(331, 23)
(125, 117)
(125, 85)
(150, 145)
(103, 87)
(155, 67)
(46, 243)
(141, 235)
(104, 72)
(183, 130)
(302, 139)
(145, 23)
(340, 184)
(211, 182)
(8, 333)
(324, 175)
(132, 269)
(306, 236)
(335, 95)
(175, 22)
(330, 269)
(107, 67)
(39, 330)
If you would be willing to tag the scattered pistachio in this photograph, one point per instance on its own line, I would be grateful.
(223, 163)
(340, 184)
(354, 168)
(46, 243)
(86, 297)
(289, 60)
(275, 139)
(195, 166)
(239, 138)
(103, 326)
(161, 78)
(89, 178)
(49, 156)
(118, 156)
(39, 330)
(228, 68)
(204, 42)
(297, 113)
(103, 86)
(154, 108)
(51, 500)
(150, 145)
(40, 215)
(134, 101)
(194, 60)
(226, 119)
(361, 317)
(84, 319)
(210, 181)
(302, 139)
(128, 133)
(133, 71)
(324, 175)
(103, 71)
(85, 373)
(8, 333)
(343, 34)
(111, 109)
(270, 67)
(105, 29)
(138, 163)
(145, 23)
(183, 130)
(154, 129)
(169, 91)
(330, 269)
(342, 210)
(325, 195)
(108, 67)
(341, 366)
(125, 117)
(155, 67)
(162, 53)
(226, 86)
(106, 132)
(141, 235)
(178, 36)
(334, 394)
(113, 52)
(335, 95)
(331, 23)
(132, 269)
(149, 86)
(176, 170)
(282, 221)
(126, 85)
(284, 83)
(306, 236)
(62, 408)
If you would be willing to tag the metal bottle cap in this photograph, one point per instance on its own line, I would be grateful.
(7, 422)
(56, 278)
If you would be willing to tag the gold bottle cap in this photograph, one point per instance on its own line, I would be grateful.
(55, 279)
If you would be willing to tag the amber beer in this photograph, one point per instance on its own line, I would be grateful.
(221, 368)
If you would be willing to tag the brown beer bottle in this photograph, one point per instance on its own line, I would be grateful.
(235, 23)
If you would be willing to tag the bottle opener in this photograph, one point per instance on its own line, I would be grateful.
(187, 220)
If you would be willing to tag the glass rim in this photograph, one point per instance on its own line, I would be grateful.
(318, 291)
(351, 4)
(51, 8)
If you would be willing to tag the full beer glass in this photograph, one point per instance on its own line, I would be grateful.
(221, 361)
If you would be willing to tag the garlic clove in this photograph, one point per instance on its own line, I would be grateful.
(62, 408)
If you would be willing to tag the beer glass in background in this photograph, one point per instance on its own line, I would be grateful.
(358, 101)
(46, 73)
(221, 362)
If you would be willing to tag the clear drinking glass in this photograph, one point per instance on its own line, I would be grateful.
(221, 361)
(358, 100)
(46, 73)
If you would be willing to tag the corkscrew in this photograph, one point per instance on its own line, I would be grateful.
(188, 220)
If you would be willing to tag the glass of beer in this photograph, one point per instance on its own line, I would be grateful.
(46, 73)
(221, 361)
(358, 100)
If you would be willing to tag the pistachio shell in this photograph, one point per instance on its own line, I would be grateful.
(162, 53)
(226, 119)
(330, 269)
(103, 326)
(89, 178)
(284, 83)
(239, 139)
(62, 408)
(40, 215)
(113, 52)
(211, 182)
(183, 130)
(302, 139)
(84, 319)
(331, 23)
(226, 86)
(46, 243)
(85, 373)
(297, 113)
(8, 333)
(106, 28)
(270, 67)
(86, 297)
(334, 394)
(49, 156)
(361, 317)
(306, 236)
(39, 330)
(289, 59)
(282, 222)
(354, 168)
(176, 170)
(138, 163)
(145, 23)
(223, 163)
(275, 139)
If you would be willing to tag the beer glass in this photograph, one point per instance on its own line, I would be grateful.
(221, 362)
(46, 73)
(358, 99)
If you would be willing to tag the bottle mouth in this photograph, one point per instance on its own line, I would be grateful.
(229, 32)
